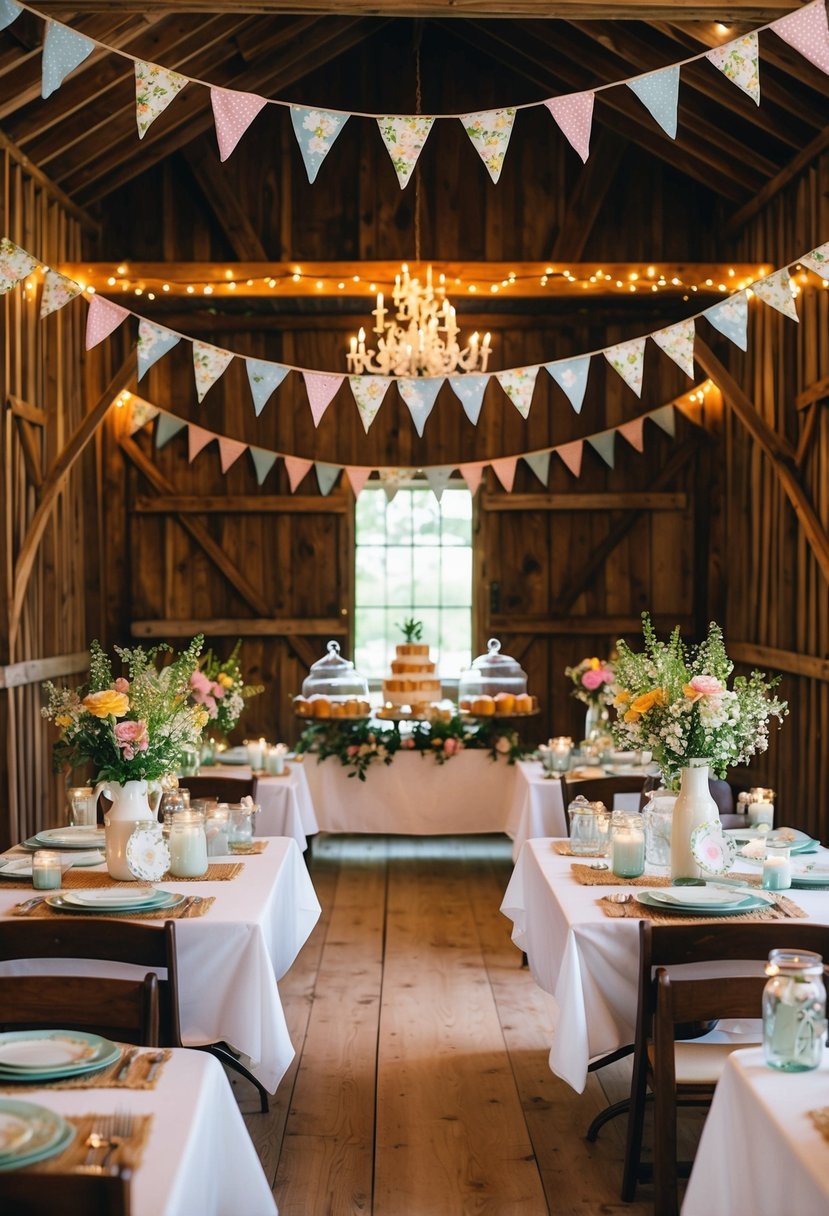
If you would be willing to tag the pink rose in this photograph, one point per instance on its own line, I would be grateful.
(409, 743)
(708, 686)
(593, 679)
(211, 706)
(217, 691)
(200, 684)
(132, 737)
(121, 685)
(451, 746)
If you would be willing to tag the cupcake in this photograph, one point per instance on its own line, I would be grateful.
(504, 703)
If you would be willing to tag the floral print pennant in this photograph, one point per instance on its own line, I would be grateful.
(571, 376)
(818, 260)
(155, 88)
(140, 414)
(490, 131)
(628, 359)
(518, 384)
(57, 292)
(740, 62)
(776, 290)
(404, 138)
(420, 396)
(264, 379)
(677, 341)
(153, 342)
(469, 390)
(15, 264)
(730, 317)
(209, 362)
(315, 132)
(368, 392)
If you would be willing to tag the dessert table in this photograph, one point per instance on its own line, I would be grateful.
(587, 961)
(760, 1152)
(198, 1156)
(231, 958)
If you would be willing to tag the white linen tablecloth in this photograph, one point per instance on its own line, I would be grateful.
(285, 805)
(198, 1158)
(538, 805)
(230, 959)
(586, 960)
(760, 1153)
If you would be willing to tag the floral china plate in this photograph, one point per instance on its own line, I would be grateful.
(712, 850)
(148, 856)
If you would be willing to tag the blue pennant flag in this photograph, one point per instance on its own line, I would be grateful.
(539, 462)
(263, 462)
(571, 376)
(327, 474)
(730, 317)
(153, 342)
(470, 392)
(9, 12)
(420, 396)
(264, 379)
(659, 93)
(316, 131)
(166, 427)
(605, 445)
(63, 51)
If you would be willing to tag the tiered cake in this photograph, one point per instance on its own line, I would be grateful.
(413, 681)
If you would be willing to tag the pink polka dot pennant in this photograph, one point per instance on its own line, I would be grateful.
(574, 115)
(321, 390)
(103, 317)
(807, 31)
(233, 113)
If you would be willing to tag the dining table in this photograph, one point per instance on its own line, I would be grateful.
(285, 804)
(586, 960)
(198, 1156)
(761, 1151)
(231, 958)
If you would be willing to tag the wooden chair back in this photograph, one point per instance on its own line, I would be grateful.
(142, 1010)
(598, 789)
(223, 789)
(32, 1194)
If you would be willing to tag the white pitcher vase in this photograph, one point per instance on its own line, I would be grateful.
(694, 805)
(129, 805)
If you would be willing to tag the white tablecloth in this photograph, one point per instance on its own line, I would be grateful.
(587, 961)
(414, 795)
(199, 1157)
(538, 806)
(285, 802)
(760, 1153)
(230, 959)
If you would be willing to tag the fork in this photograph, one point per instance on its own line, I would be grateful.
(192, 902)
(121, 1131)
(97, 1139)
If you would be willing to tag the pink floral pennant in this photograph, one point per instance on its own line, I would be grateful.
(368, 392)
(677, 341)
(420, 396)
(197, 440)
(807, 30)
(233, 113)
(739, 61)
(504, 470)
(632, 432)
(209, 362)
(229, 451)
(404, 137)
(15, 264)
(776, 291)
(628, 359)
(357, 477)
(63, 50)
(263, 462)
(296, 469)
(518, 384)
(605, 444)
(103, 317)
(470, 389)
(315, 132)
(571, 455)
(155, 88)
(472, 475)
(539, 462)
(57, 292)
(730, 317)
(490, 132)
(574, 115)
(321, 389)
(817, 260)
(153, 342)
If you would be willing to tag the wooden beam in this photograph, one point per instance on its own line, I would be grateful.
(581, 626)
(22, 409)
(765, 657)
(240, 504)
(53, 485)
(587, 199)
(32, 671)
(83, 217)
(243, 627)
(815, 392)
(31, 453)
(224, 564)
(778, 450)
(806, 435)
(787, 174)
(219, 191)
(644, 500)
(757, 12)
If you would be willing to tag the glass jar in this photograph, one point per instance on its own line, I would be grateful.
(216, 828)
(627, 844)
(777, 868)
(588, 827)
(658, 817)
(334, 677)
(760, 806)
(492, 673)
(83, 806)
(188, 845)
(240, 825)
(794, 1010)
(172, 803)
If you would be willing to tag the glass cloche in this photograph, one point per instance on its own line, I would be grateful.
(334, 677)
(492, 673)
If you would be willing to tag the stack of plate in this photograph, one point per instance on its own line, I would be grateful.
(67, 838)
(799, 842)
(126, 900)
(30, 1133)
(703, 901)
(49, 1055)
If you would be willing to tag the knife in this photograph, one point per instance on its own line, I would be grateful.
(156, 1061)
(126, 1064)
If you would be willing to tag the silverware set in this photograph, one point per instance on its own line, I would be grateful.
(110, 1133)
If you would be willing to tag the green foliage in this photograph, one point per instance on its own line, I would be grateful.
(412, 629)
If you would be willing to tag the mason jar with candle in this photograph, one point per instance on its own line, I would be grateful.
(188, 845)
(585, 835)
(561, 749)
(777, 866)
(83, 806)
(794, 1011)
(627, 844)
(46, 871)
(760, 806)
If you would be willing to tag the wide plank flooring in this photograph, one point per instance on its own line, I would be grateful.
(421, 1085)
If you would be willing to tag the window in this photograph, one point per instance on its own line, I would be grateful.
(413, 559)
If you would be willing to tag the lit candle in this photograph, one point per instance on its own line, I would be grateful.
(760, 812)
(275, 759)
(777, 868)
(46, 872)
(256, 752)
(628, 852)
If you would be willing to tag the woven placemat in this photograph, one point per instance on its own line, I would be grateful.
(586, 876)
(562, 847)
(107, 1078)
(259, 846)
(783, 909)
(820, 1118)
(184, 910)
(220, 871)
(74, 1156)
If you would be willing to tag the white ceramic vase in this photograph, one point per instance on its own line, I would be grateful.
(129, 805)
(694, 805)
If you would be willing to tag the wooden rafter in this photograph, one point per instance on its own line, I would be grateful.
(755, 11)
(591, 190)
(779, 182)
(78, 213)
(223, 200)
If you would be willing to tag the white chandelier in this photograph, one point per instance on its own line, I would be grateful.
(420, 337)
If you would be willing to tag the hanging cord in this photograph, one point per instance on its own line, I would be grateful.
(418, 102)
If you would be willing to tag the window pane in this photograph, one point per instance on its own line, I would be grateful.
(456, 577)
(426, 590)
(455, 641)
(426, 512)
(398, 519)
(370, 566)
(398, 564)
(369, 647)
(370, 518)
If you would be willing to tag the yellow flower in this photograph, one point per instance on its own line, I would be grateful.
(632, 716)
(224, 679)
(202, 718)
(102, 704)
(647, 700)
(595, 664)
(621, 698)
(63, 720)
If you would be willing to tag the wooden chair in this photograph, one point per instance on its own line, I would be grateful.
(598, 789)
(223, 789)
(686, 1072)
(26, 1194)
(140, 1010)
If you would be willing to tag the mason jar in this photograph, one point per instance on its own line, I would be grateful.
(627, 844)
(586, 822)
(794, 1010)
(188, 845)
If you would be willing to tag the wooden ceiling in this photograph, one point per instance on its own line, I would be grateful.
(84, 139)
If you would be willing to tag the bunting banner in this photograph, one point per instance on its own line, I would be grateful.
(166, 427)
(659, 93)
(368, 392)
(677, 341)
(776, 291)
(102, 319)
(539, 462)
(321, 389)
(327, 475)
(605, 445)
(15, 264)
(807, 31)
(628, 359)
(229, 452)
(438, 477)
(357, 478)
(155, 88)
(296, 469)
(571, 454)
(232, 113)
(633, 432)
(504, 470)
(63, 51)
(9, 12)
(490, 132)
(263, 462)
(264, 379)
(571, 376)
(518, 385)
(209, 362)
(574, 115)
(392, 479)
(141, 414)
(57, 292)
(470, 391)
(730, 317)
(664, 419)
(472, 475)
(153, 342)
(739, 61)
(818, 261)
(420, 396)
(404, 139)
(197, 440)
(315, 132)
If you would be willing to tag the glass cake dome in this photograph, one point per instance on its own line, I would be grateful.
(334, 677)
(492, 673)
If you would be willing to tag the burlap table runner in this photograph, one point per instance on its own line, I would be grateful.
(782, 909)
(107, 1078)
(198, 907)
(820, 1118)
(73, 1157)
(586, 876)
(216, 872)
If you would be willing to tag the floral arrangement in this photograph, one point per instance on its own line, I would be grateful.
(674, 701)
(217, 685)
(593, 680)
(133, 727)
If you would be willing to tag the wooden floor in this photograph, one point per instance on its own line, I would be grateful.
(421, 1085)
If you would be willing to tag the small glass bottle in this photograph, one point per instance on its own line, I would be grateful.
(794, 1010)
(188, 845)
(627, 844)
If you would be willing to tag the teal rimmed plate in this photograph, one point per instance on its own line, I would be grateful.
(165, 900)
(50, 1133)
(72, 837)
(751, 903)
(40, 1054)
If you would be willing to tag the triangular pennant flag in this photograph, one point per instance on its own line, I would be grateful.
(197, 439)
(263, 462)
(677, 341)
(316, 131)
(9, 12)
(209, 362)
(327, 474)
(664, 419)
(659, 93)
(296, 469)
(472, 474)
(404, 138)
(321, 389)
(166, 427)
(730, 317)
(628, 359)
(233, 113)
(490, 132)
(153, 342)
(229, 451)
(632, 431)
(739, 61)
(63, 51)
(420, 395)
(470, 392)
(776, 291)
(571, 454)
(539, 462)
(504, 470)
(357, 478)
(518, 384)
(155, 88)
(140, 414)
(817, 260)
(605, 444)
(391, 480)
(571, 376)
(103, 317)
(368, 392)
(57, 291)
(264, 379)
(15, 264)
(808, 32)
(438, 478)
(574, 115)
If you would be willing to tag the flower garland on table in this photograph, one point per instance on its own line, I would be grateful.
(593, 680)
(673, 700)
(218, 686)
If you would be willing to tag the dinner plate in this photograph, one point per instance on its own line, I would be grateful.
(72, 837)
(14, 1132)
(61, 903)
(50, 1134)
(816, 875)
(24, 1053)
(115, 897)
(17, 867)
(751, 903)
(701, 897)
(799, 841)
